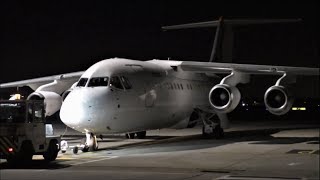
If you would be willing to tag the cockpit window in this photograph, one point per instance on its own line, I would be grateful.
(98, 81)
(115, 82)
(126, 83)
(82, 82)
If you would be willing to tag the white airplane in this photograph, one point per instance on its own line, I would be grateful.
(127, 96)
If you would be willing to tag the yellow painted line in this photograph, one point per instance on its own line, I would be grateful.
(307, 152)
(66, 158)
(108, 157)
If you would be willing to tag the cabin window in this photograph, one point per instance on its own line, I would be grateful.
(82, 82)
(181, 86)
(126, 83)
(115, 82)
(98, 81)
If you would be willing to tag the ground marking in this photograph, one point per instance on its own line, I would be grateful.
(108, 157)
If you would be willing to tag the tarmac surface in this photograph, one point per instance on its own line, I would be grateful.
(250, 150)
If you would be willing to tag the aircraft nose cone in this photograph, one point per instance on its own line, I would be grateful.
(83, 108)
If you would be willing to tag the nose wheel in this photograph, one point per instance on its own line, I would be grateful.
(91, 143)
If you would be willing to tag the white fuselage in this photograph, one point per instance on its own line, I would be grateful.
(159, 96)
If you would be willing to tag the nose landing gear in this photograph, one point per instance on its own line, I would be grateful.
(91, 143)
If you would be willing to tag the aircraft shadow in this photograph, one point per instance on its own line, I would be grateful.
(180, 143)
(194, 142)
(35, 164)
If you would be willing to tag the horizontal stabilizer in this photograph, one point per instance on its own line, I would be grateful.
(232, 22)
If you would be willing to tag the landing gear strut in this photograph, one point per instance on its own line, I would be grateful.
(211, 126)
(91, 143)
(140, 135)
(212, 132)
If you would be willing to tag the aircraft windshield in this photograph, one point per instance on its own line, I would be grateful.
(115, 82)
(82, 82)
(126, 83)
(98, 81)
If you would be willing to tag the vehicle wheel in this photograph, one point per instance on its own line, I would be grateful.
(26, 152)
(24, 156)
(52, 151)
(75, 150)
(141, 134)
(63, 151)
(12, 159)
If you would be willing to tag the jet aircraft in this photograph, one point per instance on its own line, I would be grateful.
(121, 95)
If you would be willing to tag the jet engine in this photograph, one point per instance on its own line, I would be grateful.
(65, 94)
(278, 100)
(52, 101)
(224, 98)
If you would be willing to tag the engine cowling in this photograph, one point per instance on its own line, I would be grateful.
(224, 98)
(65, 94)
(278, 100)
(52, 101)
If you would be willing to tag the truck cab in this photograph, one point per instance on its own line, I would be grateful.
(24, 132)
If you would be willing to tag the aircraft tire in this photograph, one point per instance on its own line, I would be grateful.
(75, 150)
(130, 135)
(141, 134)
(217, 133)
(85, 149)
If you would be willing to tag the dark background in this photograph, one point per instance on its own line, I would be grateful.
(40, 38)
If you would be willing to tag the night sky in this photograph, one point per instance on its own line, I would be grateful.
(40, 38)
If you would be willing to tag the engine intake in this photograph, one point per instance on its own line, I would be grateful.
(65, 94)
(52, 101)
(224, 98)
(278, 100)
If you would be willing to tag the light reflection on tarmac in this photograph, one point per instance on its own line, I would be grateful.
(271, 150)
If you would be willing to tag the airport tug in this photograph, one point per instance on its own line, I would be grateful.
(24, 132)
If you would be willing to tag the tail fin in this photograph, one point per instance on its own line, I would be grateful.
(223, 41)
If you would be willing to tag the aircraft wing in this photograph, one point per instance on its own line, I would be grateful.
(36, 82)
(210, 67)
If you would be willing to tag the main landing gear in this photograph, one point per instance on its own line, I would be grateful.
(211, 126)
(140, 135)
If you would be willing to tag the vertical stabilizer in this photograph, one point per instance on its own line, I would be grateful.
(222, 50)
